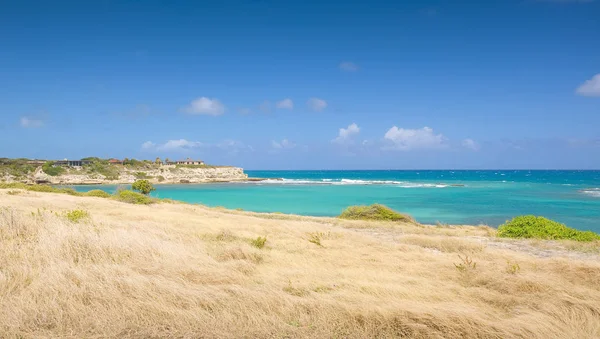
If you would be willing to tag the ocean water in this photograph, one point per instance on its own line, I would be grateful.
(454, 197)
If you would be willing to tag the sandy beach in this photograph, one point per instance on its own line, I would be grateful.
(179, 270)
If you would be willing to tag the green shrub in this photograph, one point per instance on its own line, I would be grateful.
(97, 193)
(99, 166)
(259, 242)
(141, 175)
(144, 186)
(373, 212)
(530, 226)
(133, 198)
(160, 178)
(51, 170)
(76, 216)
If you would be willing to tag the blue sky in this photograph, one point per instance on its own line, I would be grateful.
(304, 84)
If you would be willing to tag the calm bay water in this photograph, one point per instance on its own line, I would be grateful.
(455, 197)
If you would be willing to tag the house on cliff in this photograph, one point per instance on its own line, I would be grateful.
(188, 161)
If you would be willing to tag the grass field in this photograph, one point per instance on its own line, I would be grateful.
(77, 267)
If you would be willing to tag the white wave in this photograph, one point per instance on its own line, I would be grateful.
(594, 192)
(402, 184)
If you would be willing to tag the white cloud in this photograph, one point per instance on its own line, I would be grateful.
(316, 104)
(471, 144)
(233, 146)
(182, 145)
(348, 66)
(590, 88)
(285, 104)
(31, 123)
(148, 145)
(204, 105)
(173, 145)
(265, 106)
(244, 110)
(346, 133)
(283, 144)
(409, 139)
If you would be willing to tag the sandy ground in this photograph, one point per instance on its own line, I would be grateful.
(179, 270)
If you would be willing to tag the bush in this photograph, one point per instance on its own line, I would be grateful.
(97, 193)
(373, 212)
(144, 186)
(259, 242)
(51, 170)
(76, 216)
(133, 198)
(141, 175)
(530, 226)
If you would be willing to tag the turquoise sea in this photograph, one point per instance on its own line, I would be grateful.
(454, 197)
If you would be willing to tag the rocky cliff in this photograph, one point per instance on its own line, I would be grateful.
(161, 174)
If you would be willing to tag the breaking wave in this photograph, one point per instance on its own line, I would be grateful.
(404, 184)
(594, 192)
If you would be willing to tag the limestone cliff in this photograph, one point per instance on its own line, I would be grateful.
(168, 174)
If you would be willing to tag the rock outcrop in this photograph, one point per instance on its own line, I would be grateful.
(168, 174)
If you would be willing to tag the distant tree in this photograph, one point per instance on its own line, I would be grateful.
(144, 186)
(167, 160)
(158, 161)
(126, 161)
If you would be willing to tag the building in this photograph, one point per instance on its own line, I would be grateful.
(188, 161)
(36, 162)
(72, 163)
(115, 161)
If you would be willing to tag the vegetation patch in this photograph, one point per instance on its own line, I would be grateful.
(530, 226)
(143, 186)
(131, 197)
(97, 193)
(142, 175)
(76, 216)
(18, 168)
(259, 242)
(39, 188)
(374, 212)
(52, 170)
(103, 167)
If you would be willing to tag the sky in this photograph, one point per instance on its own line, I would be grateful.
(304, 84)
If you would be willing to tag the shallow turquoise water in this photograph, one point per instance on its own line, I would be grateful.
(489, 197)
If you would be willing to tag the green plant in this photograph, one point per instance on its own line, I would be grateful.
(512, 268)
(259, 242)
(316, 237)
(467, 264)
(160, 178)
(144, 186)
(141, 175)
(97, 193)
(373, 212)
(76, 216)
(13, 192)
(133, 198)
(530, 226)
(52, 170)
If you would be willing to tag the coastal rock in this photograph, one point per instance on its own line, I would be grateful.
(168, 174)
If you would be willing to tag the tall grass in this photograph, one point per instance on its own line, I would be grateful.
(174, 272)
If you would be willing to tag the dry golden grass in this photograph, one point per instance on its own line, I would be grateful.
(177, 270)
